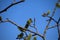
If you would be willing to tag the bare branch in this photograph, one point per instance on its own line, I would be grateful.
(10, 6)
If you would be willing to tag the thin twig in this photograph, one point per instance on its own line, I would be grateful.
(58, 28)
(26, 34)
(35, 25)
(53, 26)
(10, 6)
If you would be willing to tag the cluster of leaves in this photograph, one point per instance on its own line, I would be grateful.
(24, 30)
(29, 37)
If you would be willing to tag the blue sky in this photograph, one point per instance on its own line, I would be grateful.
(20, 13)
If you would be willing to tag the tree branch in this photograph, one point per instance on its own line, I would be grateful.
(35, 26)
(10, 6)
(58, 29)
(53, 26)
(49, 21)
(23, 28)
(52, 19)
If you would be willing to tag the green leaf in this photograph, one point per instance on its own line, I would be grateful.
(28, 23)
(34, 38)
(44, 14)
(29, 37)
(58, 5)
(20, 36)
(48, 12)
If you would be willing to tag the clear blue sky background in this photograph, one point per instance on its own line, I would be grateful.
(20, 13)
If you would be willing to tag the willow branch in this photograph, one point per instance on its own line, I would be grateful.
(10, 6)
